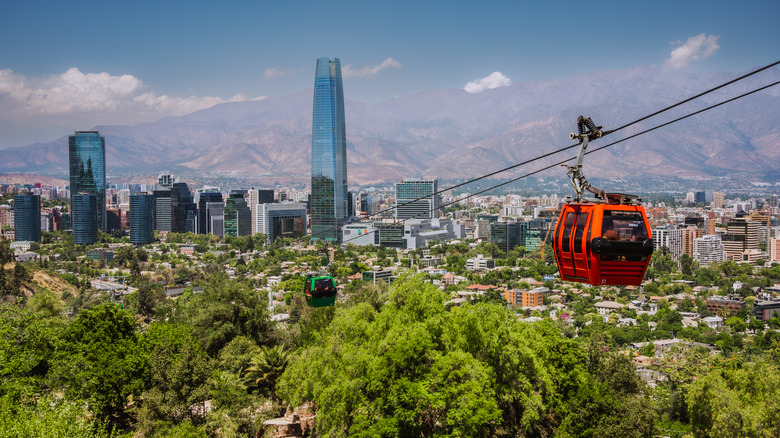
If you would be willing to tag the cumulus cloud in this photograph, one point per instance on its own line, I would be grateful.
(68, 92)
(349, 72)
(274, 73)
(494, 80)
(73, 93)
(697, 48)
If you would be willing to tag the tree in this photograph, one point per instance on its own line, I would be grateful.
(148, 296)
(662, 263)
(49, 417)
(756, 325)
(226, 309)
(687, 264)
(266, 368)
(736, 400)
(97, 360)
(415, 369)
(178, 372)
(28, 338)
(737, 324)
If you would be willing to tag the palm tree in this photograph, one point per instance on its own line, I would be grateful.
(266, 368)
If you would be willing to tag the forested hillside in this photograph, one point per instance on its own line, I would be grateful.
(394, 360)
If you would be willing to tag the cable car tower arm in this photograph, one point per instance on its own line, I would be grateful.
(587, 131)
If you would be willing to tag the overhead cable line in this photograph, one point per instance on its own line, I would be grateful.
(693, 97)
(591, 151)
(575, 145)
(616, 142)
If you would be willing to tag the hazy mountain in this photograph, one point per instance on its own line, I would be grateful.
(454, 134)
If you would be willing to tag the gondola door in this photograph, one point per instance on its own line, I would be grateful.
(571, 243)
(563, 243)
(578, 243)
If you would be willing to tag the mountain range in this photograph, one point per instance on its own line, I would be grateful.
(452, 134)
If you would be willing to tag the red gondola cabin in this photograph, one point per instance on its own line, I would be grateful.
(603, 244)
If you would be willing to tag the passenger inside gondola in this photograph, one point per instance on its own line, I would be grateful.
(639, 234)
(609, 230)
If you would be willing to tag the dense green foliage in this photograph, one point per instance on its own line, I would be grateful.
(414, 369)
(387, 360)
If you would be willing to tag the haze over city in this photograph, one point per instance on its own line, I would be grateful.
(77, 65)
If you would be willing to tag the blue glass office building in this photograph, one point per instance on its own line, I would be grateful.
(328, 153)
(87, 157)
(141, 219)
(27, 218)
(84, 209)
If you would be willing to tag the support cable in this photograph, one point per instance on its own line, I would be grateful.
(588, 152)
(576, 145)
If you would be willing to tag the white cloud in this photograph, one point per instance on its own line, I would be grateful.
(68, 92)
(494, 80)
(274, 73)
(696, 48)
(74, 93)
(369, 70)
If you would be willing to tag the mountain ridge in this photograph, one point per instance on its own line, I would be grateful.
(452, 134)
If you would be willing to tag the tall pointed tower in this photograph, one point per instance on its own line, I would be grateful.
(328, 153)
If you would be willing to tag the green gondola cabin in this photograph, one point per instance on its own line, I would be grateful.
(320, 291)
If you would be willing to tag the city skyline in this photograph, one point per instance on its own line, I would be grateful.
(51, 80)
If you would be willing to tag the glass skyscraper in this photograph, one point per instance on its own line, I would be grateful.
(328, 153)
(87, 156)
(415, 199)
(237, 216)
(141, 219)
(27, 218)
(84, 208)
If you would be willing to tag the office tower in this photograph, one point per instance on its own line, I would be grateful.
(207, 201)
(695, 221)
(281, 220)
(329, 153)
(183, 209)
(256, 197)
(141, 219)
(718, 199)
(6, 216)
(369, 204)
(507, 235)
(215, 215)
(741, 235)
(175, 209)
(483, 226)
(238, 217)
(163, 218)
(165, 181)
(408, 204)
(84, 211)
(87, 157)
(774, 249)
(700, 197)
(689, 234)
(27, 217)
(708, 249)
(391, 235)
(113, 219)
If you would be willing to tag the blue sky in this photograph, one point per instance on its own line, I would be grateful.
(71, 65)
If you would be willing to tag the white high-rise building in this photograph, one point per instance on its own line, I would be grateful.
(670, 237)
(708, 249)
